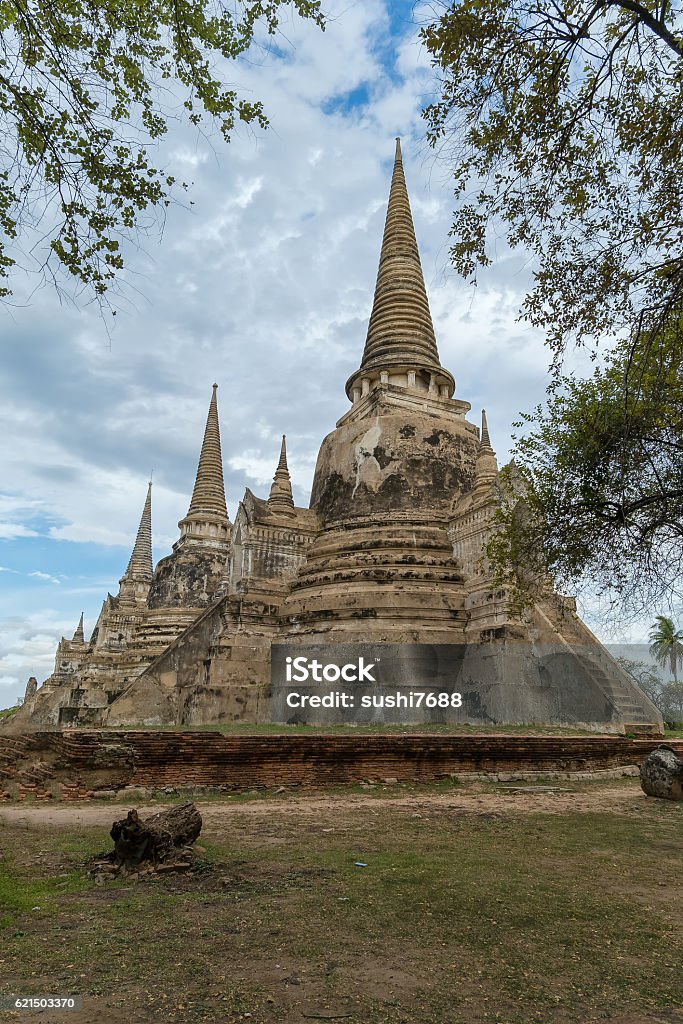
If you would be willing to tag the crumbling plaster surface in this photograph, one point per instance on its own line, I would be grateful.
(398, 460)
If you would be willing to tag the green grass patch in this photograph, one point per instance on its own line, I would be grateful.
(27, 883)
(18, 896)
(432, 728)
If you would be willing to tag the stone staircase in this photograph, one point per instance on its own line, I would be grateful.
(632, 704)
(634, 708)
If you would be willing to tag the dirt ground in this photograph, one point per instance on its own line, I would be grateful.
(476, 904)
(519, 798)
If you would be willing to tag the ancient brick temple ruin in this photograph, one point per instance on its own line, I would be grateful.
(389, 551)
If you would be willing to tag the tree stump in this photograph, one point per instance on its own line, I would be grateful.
(661, 774)
(158, 838)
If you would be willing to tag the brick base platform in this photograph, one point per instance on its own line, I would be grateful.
(77, 765)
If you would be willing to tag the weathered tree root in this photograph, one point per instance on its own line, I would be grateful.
(158, 840)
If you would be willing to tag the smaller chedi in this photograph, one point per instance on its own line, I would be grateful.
(390, 552)
(153, 606)
(156, 607)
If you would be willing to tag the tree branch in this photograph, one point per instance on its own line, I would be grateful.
(656, 26)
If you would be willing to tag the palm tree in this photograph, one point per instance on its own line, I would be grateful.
(666, 644)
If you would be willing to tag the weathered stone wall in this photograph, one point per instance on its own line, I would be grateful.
(267, 544)
(413, 459)
(189, 577)
(75, 765)
(217, 671)
(378, 578)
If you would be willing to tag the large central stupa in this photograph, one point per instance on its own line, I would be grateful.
(390, 552)
(388, 477)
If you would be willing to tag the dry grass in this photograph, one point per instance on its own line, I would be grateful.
(463, 915)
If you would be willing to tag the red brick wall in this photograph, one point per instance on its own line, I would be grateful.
(74, 764)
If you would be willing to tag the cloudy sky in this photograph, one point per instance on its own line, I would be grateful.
(264, 285)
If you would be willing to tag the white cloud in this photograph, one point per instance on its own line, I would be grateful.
(27, 647)
(10, 531)
(257, 469)
(191, 157)
(44, 576)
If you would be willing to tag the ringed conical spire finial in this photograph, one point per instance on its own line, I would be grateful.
(280, 499)
(140, 565)
(79, 636)
(487, 464)
(134, 584)
(400, 333)
(208, 496)
(485, 439)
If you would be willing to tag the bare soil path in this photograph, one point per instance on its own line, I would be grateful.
(523, 799)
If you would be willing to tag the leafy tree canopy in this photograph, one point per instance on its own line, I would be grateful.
(564, 121)
(600, 473)
(82, 91)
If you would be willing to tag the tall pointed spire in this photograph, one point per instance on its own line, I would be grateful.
(140, 565)
(400, 333)
(209, 491)
(487, 464)
(485, 439)
(79, 636)
(207, 516)
(134, 584)
(280, 499)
